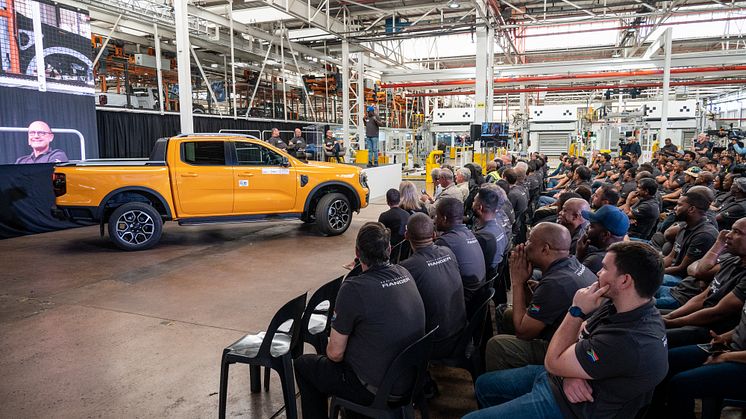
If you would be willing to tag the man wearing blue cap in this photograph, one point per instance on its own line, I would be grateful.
(608, 225)
(372, 124)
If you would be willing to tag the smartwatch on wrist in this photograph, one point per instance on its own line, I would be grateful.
(576, 311)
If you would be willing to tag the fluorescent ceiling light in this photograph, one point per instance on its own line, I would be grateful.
(214, 65)
(453, 4)
(259, 15)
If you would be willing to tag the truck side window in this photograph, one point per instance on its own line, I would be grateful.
(250, 154)
(203, 153)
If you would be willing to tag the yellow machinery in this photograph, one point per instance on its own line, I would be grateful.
(482, 158)
(434, 160)
(361, 157)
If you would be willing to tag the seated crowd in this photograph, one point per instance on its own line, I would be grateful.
(619, 286)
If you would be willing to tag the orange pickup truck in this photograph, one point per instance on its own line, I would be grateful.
(207, 178)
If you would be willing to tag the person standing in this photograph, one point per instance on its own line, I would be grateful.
(372, 124)
(39, 137)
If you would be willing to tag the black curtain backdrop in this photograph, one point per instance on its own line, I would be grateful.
(26, 200)
(19, 107)
(132, 135)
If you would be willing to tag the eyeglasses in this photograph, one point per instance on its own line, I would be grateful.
(38, 133)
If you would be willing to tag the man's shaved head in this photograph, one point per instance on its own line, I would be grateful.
(555, 235)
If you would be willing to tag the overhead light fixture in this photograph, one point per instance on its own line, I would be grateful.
(214, 65)
(454, 4)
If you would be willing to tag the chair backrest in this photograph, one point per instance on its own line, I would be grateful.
(327, 292)
(473, 331)
(411, 362)
(292, 310)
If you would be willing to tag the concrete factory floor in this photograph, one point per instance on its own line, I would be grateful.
(91, 331)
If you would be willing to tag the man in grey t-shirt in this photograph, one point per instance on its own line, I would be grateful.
(377, 315)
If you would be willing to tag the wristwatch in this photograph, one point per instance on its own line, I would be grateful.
(575, 311)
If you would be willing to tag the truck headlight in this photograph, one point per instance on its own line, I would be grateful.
(364, 179)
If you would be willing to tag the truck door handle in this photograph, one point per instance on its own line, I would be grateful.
(189, 175)
(245, 174)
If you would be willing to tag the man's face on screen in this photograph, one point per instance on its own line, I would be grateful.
(39, 136)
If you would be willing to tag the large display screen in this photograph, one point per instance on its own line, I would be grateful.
(494, 129)
(47, 108)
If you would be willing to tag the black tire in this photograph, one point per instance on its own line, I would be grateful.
(135, 226)
(333, 214)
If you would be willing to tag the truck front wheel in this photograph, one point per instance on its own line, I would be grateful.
(333, 214)
(135, 226)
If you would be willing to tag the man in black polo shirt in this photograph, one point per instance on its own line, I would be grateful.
(489, 234)
(518, 197)
(378, 314)
(717, 307)
(669, 149)
(735, 209)
(276, 140)
(643, 215)
(693, 241)
(571, 216)
(537, 313)
(608, 226)
(610, 371)
(449, 216)
(39, 138)
(435, 271)
(395, 219)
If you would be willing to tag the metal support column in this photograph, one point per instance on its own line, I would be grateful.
(233, 60)
(482, 59)
(158, 68)
(184, 66)
(346, 92)
(489, 105)
(666, 85)
(360, 100)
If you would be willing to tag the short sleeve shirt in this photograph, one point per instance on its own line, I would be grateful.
(435, 271)
(553, 296)
(468, 255)
(730, 277)
(739, 333)
(626, 354)
(694, 241)
(297, 143)
(645, 212)
(395, 219)
(732, 212)
(594, 258)
(382, 313)
(278, 142)
(49, 156)
(490, 230)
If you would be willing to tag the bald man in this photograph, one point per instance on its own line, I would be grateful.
(571, 216)
(536, 316)
(39, 138)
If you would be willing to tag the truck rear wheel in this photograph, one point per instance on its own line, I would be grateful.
(135, 226)
(333, 214)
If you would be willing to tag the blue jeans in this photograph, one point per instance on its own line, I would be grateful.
(371, 144)
(664, 300)
(546, 200)
(516, 394)
(688, 379)
(671, 280)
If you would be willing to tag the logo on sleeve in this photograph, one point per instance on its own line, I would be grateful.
(534, 308)
(592, 355)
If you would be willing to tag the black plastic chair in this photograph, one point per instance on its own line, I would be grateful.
(412, 360)
(272, 349)
(467, 354)
(316, 321)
